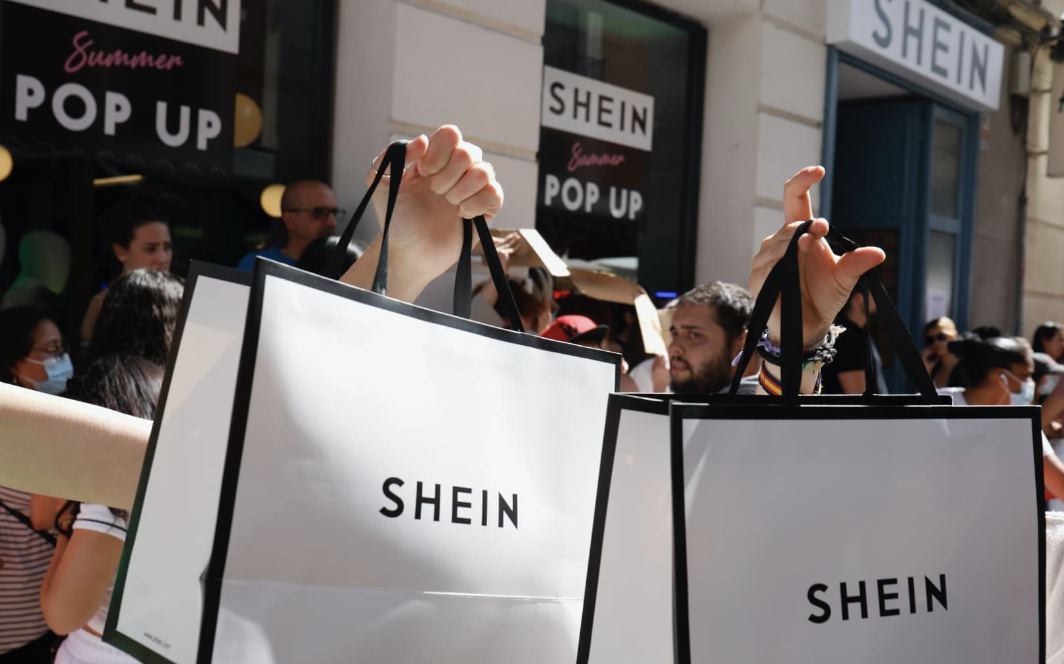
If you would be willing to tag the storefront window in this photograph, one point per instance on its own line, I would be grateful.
(945, 170)
(620, 139)
(194, 107)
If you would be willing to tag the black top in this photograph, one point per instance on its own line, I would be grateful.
(851, 347)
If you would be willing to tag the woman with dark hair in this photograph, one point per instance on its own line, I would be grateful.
(76, 590)
(139, 237)
(32, 351)
(138, 316)
(998, 372)
(1049, 339)
(32, 356)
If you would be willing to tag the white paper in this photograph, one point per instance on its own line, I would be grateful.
(937, 303)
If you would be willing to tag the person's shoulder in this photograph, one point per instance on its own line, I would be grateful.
(248, 261)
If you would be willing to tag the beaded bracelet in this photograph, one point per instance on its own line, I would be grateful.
(812, 360)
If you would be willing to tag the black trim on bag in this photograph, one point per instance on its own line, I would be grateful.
(657, 403)
(681, 631)
(616, 405)
(111, 634)
(213, 576)
(1039, 474)
(681, 412)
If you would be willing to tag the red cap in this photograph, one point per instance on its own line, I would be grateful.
(575, 329)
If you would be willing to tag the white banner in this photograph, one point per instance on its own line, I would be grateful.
(587, 107)
(920, 42)
(211, 23)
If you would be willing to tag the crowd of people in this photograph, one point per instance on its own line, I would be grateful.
(58, 557)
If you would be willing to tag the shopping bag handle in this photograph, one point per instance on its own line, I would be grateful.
(394, 161)
(783, 283)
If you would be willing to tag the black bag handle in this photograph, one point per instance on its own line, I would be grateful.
(24, 520)
(783, 284)
(394, 161)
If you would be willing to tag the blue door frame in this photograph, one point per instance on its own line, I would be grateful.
(909, 304)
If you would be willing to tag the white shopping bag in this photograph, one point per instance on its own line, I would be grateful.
(402, 482)
(157, 606)
(869, 534)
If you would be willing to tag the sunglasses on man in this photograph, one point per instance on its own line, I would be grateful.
(929, 340)
(321, 213)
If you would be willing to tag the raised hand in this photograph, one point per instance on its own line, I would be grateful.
(826, 279)
(446, 180)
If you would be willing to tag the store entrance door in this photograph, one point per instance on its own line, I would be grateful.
(901, 164)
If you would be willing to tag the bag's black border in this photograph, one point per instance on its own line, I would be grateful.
(655, 404)
(680, 412)
(658, 404)
(245, 379)
(111, 634)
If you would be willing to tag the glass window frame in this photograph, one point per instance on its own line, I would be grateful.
(686, 248)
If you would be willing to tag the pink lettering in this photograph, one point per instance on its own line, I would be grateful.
(580, 160)
(82, 57)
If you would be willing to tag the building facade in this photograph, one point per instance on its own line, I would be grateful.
(650, 139)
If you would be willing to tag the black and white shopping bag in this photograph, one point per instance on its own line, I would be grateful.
(401, 483)
(866, 533)
(157, 604)
(396, 482)
(861, 534)
(930, 515)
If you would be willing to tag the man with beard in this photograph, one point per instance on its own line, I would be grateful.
(709, 326)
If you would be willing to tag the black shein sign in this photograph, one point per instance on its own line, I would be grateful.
(71, 83)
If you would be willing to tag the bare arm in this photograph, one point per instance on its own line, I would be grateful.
(42, 511)
(59, 447)
(826, 279)
(77, 579)
(1053, 472)
(1051, 410)
(853, 382)
(447, 180)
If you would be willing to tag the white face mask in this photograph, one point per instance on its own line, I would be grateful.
(1025, 397)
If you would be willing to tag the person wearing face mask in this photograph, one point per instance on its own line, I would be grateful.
(999, 372)
(32, 352)
(32, 356)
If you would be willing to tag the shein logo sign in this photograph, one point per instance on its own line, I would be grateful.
(210, 23)
(587, 107)
(920, 42)
(462, 506)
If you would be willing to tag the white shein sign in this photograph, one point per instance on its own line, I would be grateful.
(584, 106)
(210, 23)
(920, 42)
